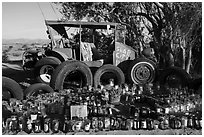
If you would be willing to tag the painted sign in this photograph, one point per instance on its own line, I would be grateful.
(122, 53)
(79, 111)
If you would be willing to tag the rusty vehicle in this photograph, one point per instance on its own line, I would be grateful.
(63, 64)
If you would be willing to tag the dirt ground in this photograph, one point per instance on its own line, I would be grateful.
(14, 70)
(129, 132)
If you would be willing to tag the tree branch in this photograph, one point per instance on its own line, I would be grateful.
(148, 27)
(158, 8)
(123, 23)
(159, 5)
(148, 18)
(189, 30)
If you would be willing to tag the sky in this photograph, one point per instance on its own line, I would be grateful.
(25, 19)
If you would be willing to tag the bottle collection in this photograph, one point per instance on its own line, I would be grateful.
(112, 108)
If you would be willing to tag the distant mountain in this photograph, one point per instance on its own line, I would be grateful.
(24, 41)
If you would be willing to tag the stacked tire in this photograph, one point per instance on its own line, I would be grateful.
(64, 71)
(116, 72)
(179, 75)
(37, 88)
(11, 89)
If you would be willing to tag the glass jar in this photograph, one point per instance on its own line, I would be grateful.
(37, 124)
(100, 123)
(107, 123)
(136, 124)
(143, 124)
(55, 125)
(87, 125)
(65, 125)
(150, 124)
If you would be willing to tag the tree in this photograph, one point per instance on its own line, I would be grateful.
(172, 21)
(184, 22)
(171, 26)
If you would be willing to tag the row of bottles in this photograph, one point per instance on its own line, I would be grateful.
(38, 123)
(32, 114)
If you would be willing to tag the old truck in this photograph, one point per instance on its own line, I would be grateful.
(62, 64)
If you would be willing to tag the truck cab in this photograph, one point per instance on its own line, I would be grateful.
(85, 49)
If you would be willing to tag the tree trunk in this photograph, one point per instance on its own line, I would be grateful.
(183, 45)
(189, 59)
(183, 58)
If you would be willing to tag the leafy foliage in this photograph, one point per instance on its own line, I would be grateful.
(172, 27)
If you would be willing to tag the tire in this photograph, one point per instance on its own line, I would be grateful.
(117, 73)
(124, 67)
(44, 69)
(184, 77)
(142, 71)
(33, 89)
(9, 86)
(59, 78)
(195, 83)
(43, 73)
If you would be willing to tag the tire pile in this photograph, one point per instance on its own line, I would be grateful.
(108, 108)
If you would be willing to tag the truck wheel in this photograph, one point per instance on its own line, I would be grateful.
(142, 71)
(38, 88)
(174, 77)
(71, 74)
(11, 89)
(43, 73)
(106, 72)
(44, 69)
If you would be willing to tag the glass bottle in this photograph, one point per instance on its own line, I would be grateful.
(100, 123)
(112, 122)
(87, 125)
(119, 122)
(124, 124)
(178, 123)
(198, 126)
(37, 126)
(94, 123)
(184, 120)
(136, 124)
(107, 123)
(21, 124)
(143, 124)
(47, 125)
(55, 126)
(65, 125)
(13, 124)
(190, 123)
(28, 128)
(150, 124)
